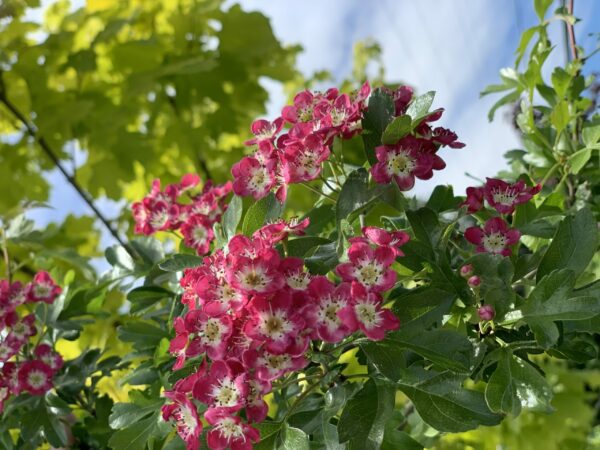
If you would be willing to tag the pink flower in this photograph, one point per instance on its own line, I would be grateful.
(179, 344)
(369, 267)
(504, 196)
(402, 97)
(42, 288)
(229, 431)
(486, 312)
(222, 387)
(474, 281)
(365, 313)
(45, 353)
(322, 312)
(269, 366)
(212, 333)
(9, 347)
(296, 277)
(265, 131)
(302, 160)
(274, 322)
(198, 233)
(253, 178)
(280, 230)
(466, 271)
(35, 377)
(443, 137)
(474, 200)
(393, 239)
(11, 295)
(256, 407)
(183, 411)
(10, 377)
(24, 328)
(402, 162)
(495, 238)
(260, 275)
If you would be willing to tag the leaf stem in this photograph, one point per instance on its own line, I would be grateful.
(316, 191)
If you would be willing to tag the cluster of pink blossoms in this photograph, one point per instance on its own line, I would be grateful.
(162, 210)
(496, 236)
(415, 155)
(23, 370)
(297, 155)
(314, 120)
(253, 314)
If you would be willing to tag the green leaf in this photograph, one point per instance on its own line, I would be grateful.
(421, 308)
(511, 97)
(496, 273)
(293, 439)
(386, 356)
(375, 120)
(515, 384)
(124, 414)
(419, 107)
(148, 294)
(552, 299)
(323, 259)
(232, 216)
(136, 435)
(353, 196)
(573, 245)
(42, 419)
(591, 132)
(260, 213)
(397, 129)
(579, 159)
(425, 225)
(179, 262)
(117, 256)
(560, 116)
(143, 334)
(560, 81)
(445, 348)
(442, 199)
(444, 404)
(299, 247)
(362, 422)
(541, 6)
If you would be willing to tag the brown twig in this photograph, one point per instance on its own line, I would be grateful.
(32, 131)
(571, 32)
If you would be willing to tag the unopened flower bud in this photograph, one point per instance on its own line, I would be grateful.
(486, 312)
(474, 281)
(466, 271)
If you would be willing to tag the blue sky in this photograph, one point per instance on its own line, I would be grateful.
(455, 47)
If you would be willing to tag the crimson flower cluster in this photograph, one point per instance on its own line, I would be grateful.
(24, 370)
(252, 314)
(162, 210)
(496, 236)
(295, 156)
(415, 155)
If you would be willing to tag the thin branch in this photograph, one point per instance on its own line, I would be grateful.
(571, 32)
(6, 257)
(32, 131)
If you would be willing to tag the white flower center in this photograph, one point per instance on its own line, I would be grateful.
(367, 313)
(260, 179)
(368, 273)
(36, 379)
(275, 325)
(506, 197)
(327, 312)
(211, 331)
(159, 219)
(494, 243)
(230, 430)
(199, 234)
(188, 423)
(226, 393)
(400, 163)
(254, 278)
(42, 290)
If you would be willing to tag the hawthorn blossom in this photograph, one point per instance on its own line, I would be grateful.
(228, 431)
(281, 229)
(496, 237)
(504, 196)
(42, 288)
(251, 177)
(268, 366)
(183, 411)
(265, 131)
(474, 200)
(365, 313)
(369, 267)
(198, 233)
(322, 313)
(221, 388)
(402, 163)
(258, 275)
(393, 239)
(211, 333)
(35, 377)
(45, 353)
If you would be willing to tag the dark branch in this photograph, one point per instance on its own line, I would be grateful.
(571, 32)
(32, 131)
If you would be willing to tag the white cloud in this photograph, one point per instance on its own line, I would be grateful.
(455, 48)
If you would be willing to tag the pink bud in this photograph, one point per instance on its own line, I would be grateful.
(474, 281)
(486, 312)
(466, 271)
